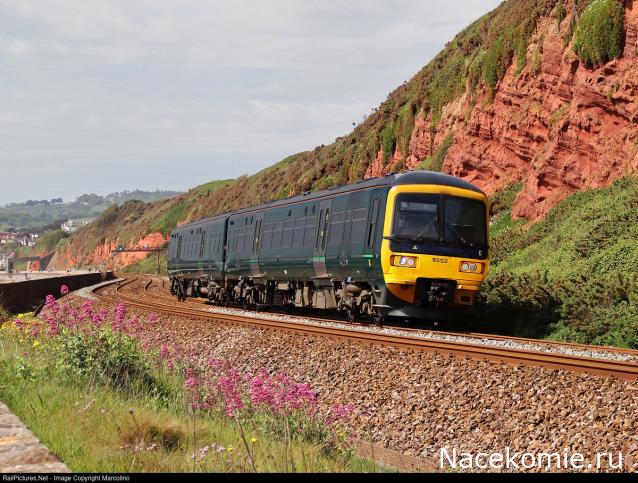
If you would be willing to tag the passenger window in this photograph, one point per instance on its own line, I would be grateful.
(358, 225)
(287, 236)
(310, 231)
(202, 245)
(277, 233)
(297, 236)
(336, 228)
(347, 227)
(267, 236)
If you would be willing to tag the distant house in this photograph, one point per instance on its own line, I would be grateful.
(7, 237)
(68, 226)
(28, 240)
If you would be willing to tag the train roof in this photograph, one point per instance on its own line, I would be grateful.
(409, 177)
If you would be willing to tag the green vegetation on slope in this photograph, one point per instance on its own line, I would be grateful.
(571, 276)
(435, 162)
(46, 214)
(599, 32)
(148, 265)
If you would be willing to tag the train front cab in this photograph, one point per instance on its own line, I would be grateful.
(434, 250)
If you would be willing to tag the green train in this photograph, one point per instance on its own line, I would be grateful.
(404, 245)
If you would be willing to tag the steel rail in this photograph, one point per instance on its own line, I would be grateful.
(600, 367)
(473, 335)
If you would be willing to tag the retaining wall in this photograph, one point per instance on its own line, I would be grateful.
(27, 294)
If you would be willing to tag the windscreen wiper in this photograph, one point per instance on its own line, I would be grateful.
(399, 238)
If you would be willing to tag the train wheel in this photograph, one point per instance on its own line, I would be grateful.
(352, 314)
(378, 319)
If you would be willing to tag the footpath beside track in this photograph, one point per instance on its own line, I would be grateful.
(599, 367)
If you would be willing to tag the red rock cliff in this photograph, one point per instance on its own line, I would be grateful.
(558, 127)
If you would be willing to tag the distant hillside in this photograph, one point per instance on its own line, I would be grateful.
(42, 214)
(132, 223)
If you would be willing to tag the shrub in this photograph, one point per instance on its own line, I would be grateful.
(561, 12)
(599, 32)
(567, 276)
(435, 161)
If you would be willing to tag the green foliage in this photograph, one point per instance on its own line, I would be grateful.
(537, 62)
(521, 55)
(556, 116)
(46, 215)
(569, 276)
(171, 218)
(447, 83)
(435, 161)
(388, 142)
(502, 201)
(49, 241)
(513, 40)
(599, 32)
(148, 265)
(104, 355)
(209, 188)
(96, 427)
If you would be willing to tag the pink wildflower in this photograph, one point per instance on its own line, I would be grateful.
(216, 364)
(164, 353)
(228, 386)
(64, 290)
(191, 382)
(339, 412)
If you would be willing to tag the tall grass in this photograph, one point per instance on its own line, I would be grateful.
(94, 387)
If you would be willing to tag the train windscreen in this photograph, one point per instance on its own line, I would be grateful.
(423, 218)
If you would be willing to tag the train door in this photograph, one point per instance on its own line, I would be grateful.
(202, 247)
(321, 242)
(254, 254)
(371, 250)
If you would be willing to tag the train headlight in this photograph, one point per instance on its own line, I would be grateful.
(471, 267)
(406, 262)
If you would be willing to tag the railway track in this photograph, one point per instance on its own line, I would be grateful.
(417, 331)
(596, 366)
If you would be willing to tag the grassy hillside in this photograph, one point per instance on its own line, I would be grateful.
(571, 276)
(131, 221)
(41, 214)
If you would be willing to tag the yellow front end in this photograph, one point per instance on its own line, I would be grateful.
(403, 269)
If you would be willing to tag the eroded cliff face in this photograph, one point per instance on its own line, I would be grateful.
(557, 126)
(103, 254)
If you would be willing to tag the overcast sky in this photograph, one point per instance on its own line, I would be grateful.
(106, 95)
